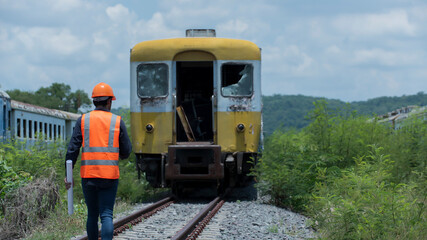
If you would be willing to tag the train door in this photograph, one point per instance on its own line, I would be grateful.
(194, 91)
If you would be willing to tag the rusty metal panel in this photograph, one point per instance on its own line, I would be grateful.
(175, 170)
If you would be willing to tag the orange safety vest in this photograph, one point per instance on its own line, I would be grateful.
(100, 147)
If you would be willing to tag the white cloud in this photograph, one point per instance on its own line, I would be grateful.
(324, 51)
(333, 50)
(157, 27)
(118, 13)
(235, 26)
(382, 57)
(64, 5)
(13, 5)
(289, 60)
(300, 61)
(6, 43)
(46, 6)
(39, 74)
(392, 22)
(392, 84)
(57, 41)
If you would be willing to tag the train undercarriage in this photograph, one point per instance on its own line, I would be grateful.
(196, 164)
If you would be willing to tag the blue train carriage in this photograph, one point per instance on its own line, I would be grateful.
(5, 115)
(29, 122)
(196, 109)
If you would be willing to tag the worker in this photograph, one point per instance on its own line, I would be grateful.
(104, 139)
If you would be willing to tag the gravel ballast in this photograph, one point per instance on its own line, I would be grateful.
(254, 220)
(235, 220)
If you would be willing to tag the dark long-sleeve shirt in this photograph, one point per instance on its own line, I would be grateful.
(125, 146)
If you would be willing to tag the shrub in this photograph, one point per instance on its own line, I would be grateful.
(35, 158)
(407, 147)
(287, 169)
(365, 204)
(294, 161)
(27, 206)
(357, 178)
(9, 179)
(132, 189)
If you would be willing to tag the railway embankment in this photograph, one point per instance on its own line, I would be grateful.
(355, 177)
(235, 219)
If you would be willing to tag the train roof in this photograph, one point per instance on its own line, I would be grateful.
(220, 48)
(42, 110)
(4, 94)
(403, 113)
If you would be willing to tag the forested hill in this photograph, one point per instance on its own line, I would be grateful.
(290, 111)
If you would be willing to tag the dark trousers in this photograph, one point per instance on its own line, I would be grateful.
(100, 203)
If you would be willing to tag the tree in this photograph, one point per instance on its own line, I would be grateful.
(57, 96)
(54, 96)
(78, 99)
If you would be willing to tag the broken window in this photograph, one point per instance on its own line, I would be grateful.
(152, 80)
(237, 79)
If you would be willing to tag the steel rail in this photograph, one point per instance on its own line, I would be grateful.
(187, 229)
(202, 224)
(196, 225)
(123, 223)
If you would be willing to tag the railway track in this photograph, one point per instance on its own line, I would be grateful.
(196, 225)
(166, 219)
(136, 217)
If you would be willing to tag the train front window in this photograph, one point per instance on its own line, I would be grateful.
(152, 80)
(237, 80)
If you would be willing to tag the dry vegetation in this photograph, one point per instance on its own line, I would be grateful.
(27, 207)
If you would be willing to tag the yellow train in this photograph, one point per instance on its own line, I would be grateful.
(196, 109)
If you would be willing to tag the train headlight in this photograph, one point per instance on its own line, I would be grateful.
(149, 128)
(240, 127)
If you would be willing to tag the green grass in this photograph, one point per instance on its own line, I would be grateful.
(60, 225)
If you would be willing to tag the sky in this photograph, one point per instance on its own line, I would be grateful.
(341, 49)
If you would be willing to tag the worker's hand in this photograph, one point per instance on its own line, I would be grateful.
(68, 184)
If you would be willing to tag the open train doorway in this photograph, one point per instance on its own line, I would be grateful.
(194, 90)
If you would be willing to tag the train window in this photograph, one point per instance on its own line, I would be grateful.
(18, 127)
(54, 131)
(50, 130)
(152, 80)
(237, 79)
(4, 118)
(59, 131)
(24, 128)
(30, 129)
(35, 129)
(45, 130)
(10, 117)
